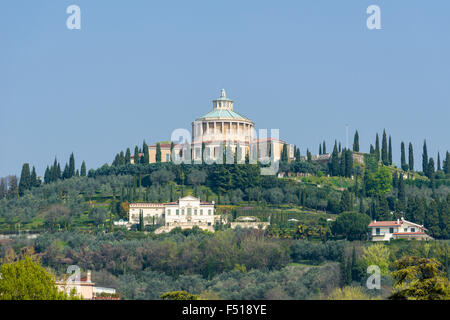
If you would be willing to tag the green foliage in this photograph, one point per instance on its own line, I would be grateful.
(351, 225)
(419, 279)
(179, 295)
(378, 182)
(25, 279)
(377, 254)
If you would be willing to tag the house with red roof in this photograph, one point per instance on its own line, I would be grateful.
(400, 229)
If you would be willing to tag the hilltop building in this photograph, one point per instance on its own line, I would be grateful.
(400, 229)
(223, 127)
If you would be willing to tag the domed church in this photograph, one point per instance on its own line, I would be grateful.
(222, 125)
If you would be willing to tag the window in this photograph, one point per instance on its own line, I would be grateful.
(413, 229)
(405, 230)
(189, 211)
(168, 212)
(391, 230)
(201, 212)
(195, 211)
(182, 212)
(377, 230)
(178, 212)
(209, 212)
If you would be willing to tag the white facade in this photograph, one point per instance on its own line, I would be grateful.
(400, 229)
(185, 213)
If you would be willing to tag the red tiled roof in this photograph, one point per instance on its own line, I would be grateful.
(385, 224)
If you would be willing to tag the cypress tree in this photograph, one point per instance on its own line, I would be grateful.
(356, 142)
(308, 155)
(320, 148)
(403, 157)
(431, 168)
(377, 148)
(25, 179)
(335, 161)
(390, 151)
(348, 163)
(136, 155)
(284, 153)
(410, 157)
(158, 152)
(401, 189)
(146, 157)
(384, 150)
(324, 148)
(33, 179)
(71, 171)
(47, 176)
(297, 155)
(83, 169)
(127, 156)
(340, 148)
(372, 150)
(425, 159)
(342, 164)
(446, 164)
(439, 162)
(345, 204)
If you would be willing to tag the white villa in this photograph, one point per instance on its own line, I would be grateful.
(400, 229)
(186, 213)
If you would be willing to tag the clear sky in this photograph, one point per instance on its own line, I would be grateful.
(139, 69)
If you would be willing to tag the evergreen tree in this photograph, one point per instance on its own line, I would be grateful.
(340, 147)
(425, 159)
(127, 156)
(71, 171)
(439, 162)
(346, 204)
(284, 153)
(446, 163)
(297, 155)
(384, 150)
(25, 179)
(146, 157)
(356, 142)
(13, 189)
(136, 155)
(335, 161)
(348, 163)
(34, 181)
(431, 168)
(308, 155)
(158, 152)
(83, 169)
(411, 157)
(47, 178)
(320, 148)
(404, 165)
(324, 148)
(390, 151)
(377, 147)
(401, 189)
(372, 150)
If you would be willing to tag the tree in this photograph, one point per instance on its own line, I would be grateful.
(335, 161)
(25, 279)
(378, 182)
(136, 155)
(13, 189)
(438, 162)
(384, 150)
(83, 169)
(179, 295)
(356, 142)
(419, 279)
(71, 172)
(25, 179)
(284, 153)
(377, 147)
(446, 163)
(346, 202)
(410, 157)
(403, 163)
(377, 254)
(320, 148)
(352, 225)
(390, 151)
(34, 182)
(297, 155)
(196, 177)
(324, 148)
(425, 159)
(158, 152)
(127, 156)
(349, 293)
(146, 157)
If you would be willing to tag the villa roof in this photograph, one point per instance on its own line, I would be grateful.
(385, 223)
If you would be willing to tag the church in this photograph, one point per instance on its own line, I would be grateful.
(221, 128)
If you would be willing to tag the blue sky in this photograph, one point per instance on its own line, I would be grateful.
(139, 69)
